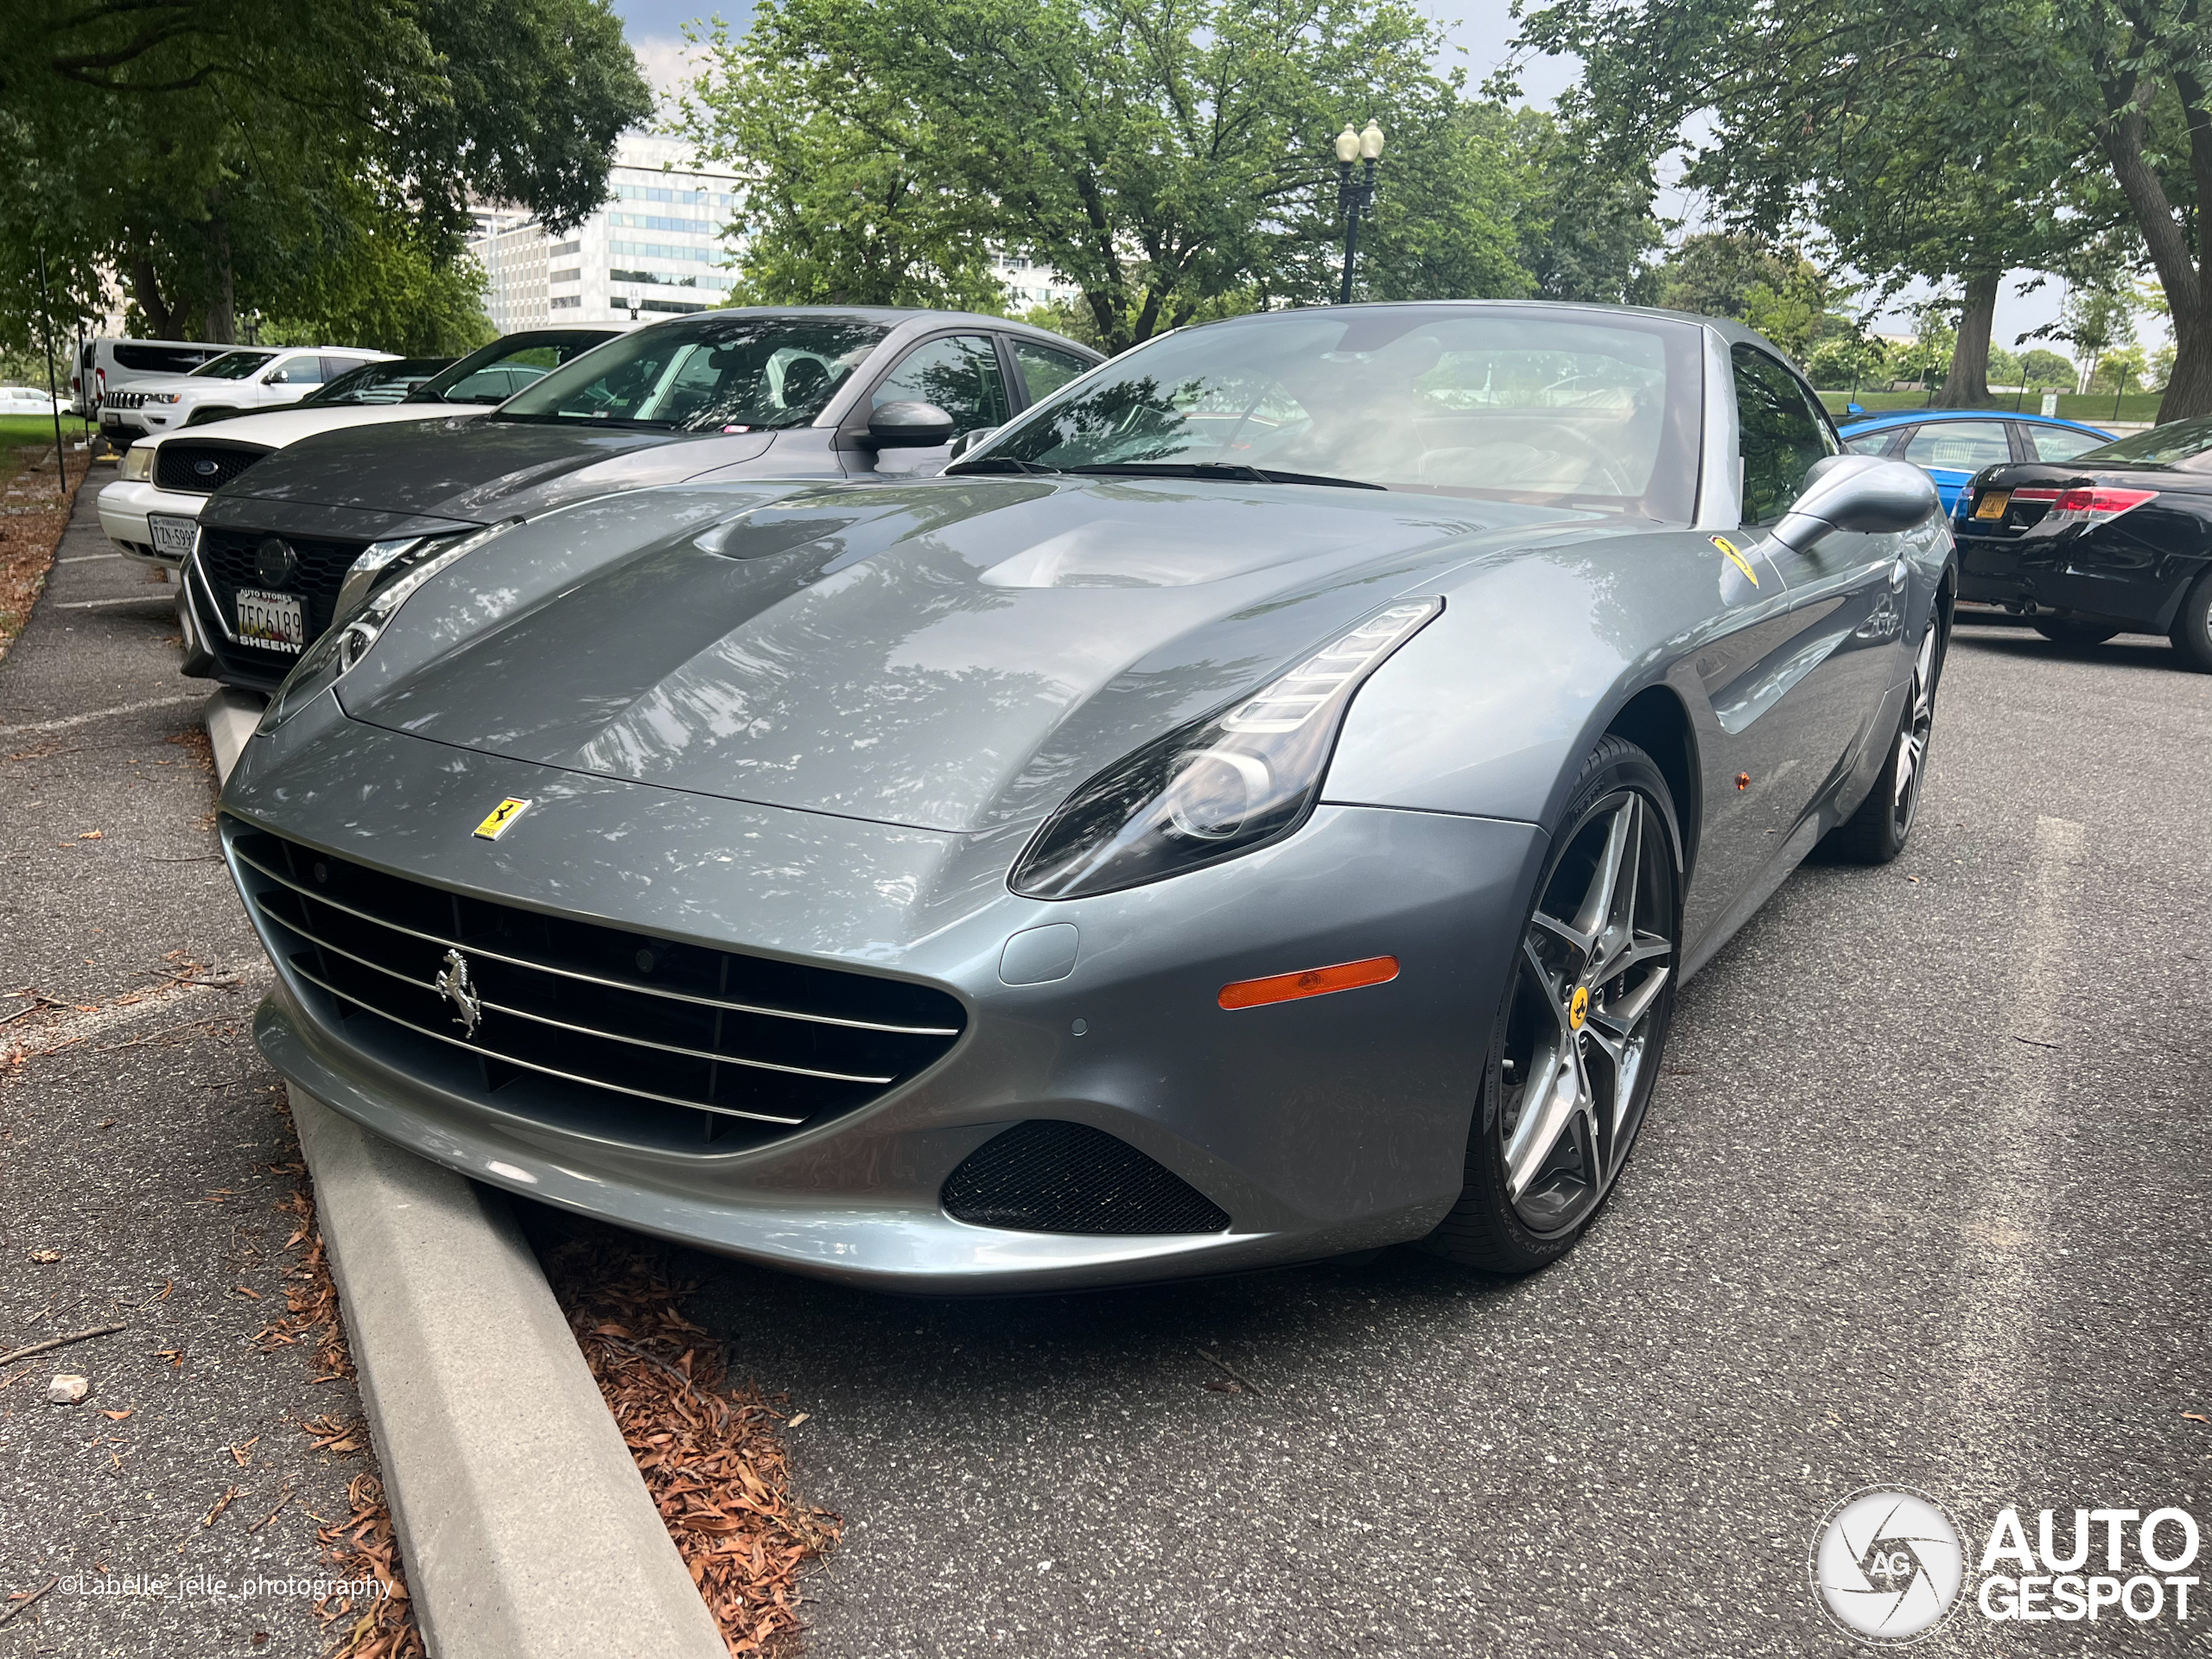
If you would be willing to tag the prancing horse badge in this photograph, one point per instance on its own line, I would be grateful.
(501, 819)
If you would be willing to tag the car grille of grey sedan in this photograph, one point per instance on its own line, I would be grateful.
(176, 466)
(226, 556)
(596, 1030)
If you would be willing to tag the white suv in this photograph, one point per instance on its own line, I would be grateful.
(237, 383)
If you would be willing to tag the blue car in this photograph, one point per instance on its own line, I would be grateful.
(1952, 445)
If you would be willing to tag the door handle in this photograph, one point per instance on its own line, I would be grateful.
(1899, 572)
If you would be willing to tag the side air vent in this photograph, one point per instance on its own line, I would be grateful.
(1045, 1177)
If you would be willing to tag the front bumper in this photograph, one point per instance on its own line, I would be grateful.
(123, 505)
(1328, 1125)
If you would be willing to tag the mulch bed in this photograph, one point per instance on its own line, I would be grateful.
(30, 528)
(710, 1452)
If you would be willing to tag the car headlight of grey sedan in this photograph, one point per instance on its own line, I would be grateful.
(1218, 786)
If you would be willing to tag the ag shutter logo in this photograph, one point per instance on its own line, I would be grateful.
(1887, 1564)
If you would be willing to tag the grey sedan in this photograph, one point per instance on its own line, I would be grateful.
(1260, 804)
(874, 394)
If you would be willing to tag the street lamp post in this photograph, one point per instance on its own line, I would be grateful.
(1355, 196)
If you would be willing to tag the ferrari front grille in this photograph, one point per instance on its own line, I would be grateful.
(619, 1036)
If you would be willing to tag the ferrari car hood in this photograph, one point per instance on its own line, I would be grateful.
(948, 655)
(466, 467)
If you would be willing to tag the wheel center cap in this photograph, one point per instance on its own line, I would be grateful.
(1579, 1008)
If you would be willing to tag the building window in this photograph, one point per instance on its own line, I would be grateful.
(668, 305)
(565, 301)
(559, 248)
(574, 274)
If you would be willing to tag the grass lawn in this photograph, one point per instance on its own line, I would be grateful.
(2095, 410)
(37, 428)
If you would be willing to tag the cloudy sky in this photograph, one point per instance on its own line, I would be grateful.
(1478, 30)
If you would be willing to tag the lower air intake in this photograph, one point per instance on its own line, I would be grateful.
(1066, 1178)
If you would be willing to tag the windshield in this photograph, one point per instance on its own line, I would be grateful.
(374, 383)
(233, 365)
(2186, 444)
(737, 373)
(494, 373)
(1550, 407)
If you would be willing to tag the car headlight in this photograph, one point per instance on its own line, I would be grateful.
(163, 397)
(1219, 786)
(137, 464)
(341, 646)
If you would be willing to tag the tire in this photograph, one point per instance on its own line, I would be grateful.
(2192, 629)
(1586, 1009)
(2065, 630)
(1877, 831)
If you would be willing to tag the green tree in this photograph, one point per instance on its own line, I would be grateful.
(2045, 367)
(1166, 157)
(202, 149)
(1586, 229)
(1926, 138)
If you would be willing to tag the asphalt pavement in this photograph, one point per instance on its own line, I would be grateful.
(142, 1154)
(1920, 1200)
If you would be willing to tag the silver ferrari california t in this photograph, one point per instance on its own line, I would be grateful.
(1260, 804)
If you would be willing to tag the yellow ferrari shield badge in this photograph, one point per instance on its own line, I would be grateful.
(1736, 558)
(501, 819)
(1579, 1009)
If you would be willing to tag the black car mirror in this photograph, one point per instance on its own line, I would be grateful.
(1857, 493)
(908, 425)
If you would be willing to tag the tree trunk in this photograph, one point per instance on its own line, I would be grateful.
(146, 289)
(222, 299)
(2189, 389)
(1967, 386)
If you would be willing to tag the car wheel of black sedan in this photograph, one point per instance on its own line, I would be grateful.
(2066, 630)
(2192, 629)
(1877, 831)
(1584, 1021)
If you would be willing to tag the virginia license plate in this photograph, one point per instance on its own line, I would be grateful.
(173, 537)
(1993, 505)
(278, 621)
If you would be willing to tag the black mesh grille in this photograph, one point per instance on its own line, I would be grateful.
(1046, 1176)
(177, 466)
(597, 1029)
(227, 556)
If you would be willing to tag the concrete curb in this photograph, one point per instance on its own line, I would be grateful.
(230, 716)
(525, 1527)
(523, 1523)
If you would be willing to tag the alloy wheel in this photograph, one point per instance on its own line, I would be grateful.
(1912, 738)
(1588, 1007)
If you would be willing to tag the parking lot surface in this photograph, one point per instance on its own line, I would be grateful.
(1920, 1200)
(141, 1158)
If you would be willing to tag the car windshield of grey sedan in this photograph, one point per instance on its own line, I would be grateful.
(1491, 404)
(2186, 444)
(738, 373)
(232, 365)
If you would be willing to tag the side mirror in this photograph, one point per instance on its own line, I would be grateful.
(1852, 409)
(968, 441)
(1858, 492)
(908, 425)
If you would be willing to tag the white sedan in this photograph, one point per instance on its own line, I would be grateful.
(152, 513)
(25, 400)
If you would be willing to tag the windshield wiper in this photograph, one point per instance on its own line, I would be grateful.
(1236, 471)
(998, 464)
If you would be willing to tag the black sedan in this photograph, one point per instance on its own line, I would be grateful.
(2118, 539)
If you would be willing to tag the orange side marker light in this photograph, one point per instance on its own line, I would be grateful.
(1314, 982)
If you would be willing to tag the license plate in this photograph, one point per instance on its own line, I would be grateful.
(173, 537)
(278, 621)
(1993, 505)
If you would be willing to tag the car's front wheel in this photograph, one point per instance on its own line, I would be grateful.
(1576, 1046)
(2192, 630)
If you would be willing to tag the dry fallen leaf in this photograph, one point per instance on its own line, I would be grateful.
(246, 1290)
(46, 1257)
(90, 835)
(2197, 1417)
(117, 1416)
